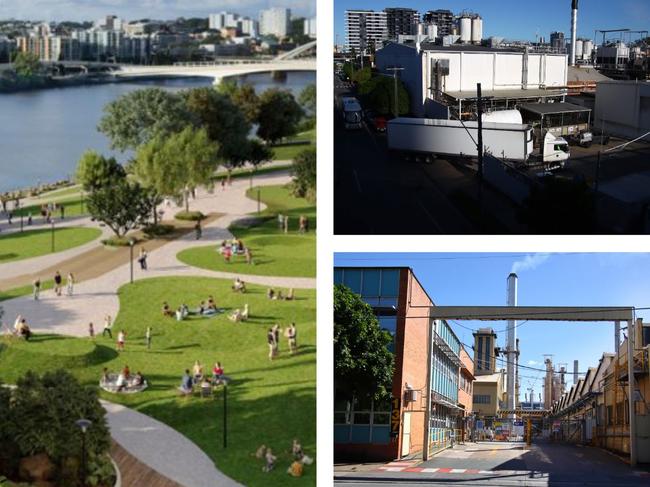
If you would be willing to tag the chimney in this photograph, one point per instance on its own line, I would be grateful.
(575, 371)
(574, 31)
(511, 350)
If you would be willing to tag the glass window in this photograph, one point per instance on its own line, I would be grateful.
(370, 283)
(338, 276)
(352, 279)
(389, 282)
(388, 302)
(388, 323)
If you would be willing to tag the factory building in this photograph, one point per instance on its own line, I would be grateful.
(365, 29)
(489, 395)
(441, 80)
(623, 107)
(557, 41)
(401, 21)
(425, 407)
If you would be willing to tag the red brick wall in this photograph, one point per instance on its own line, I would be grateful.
(412, 352)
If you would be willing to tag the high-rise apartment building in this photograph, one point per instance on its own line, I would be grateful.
(223, 19)
(365, 29)
(444, 19)
(401, 21)
(557, 40)
(310, 27)
(275, 21)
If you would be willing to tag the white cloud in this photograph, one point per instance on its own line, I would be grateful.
(533, 362)
(529, 263)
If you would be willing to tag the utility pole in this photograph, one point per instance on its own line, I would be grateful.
(479, 98)
(395, 69)
(630, 391)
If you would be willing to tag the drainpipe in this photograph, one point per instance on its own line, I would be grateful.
(427, 412)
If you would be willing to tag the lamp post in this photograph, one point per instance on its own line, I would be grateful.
(83, 425)
(225, 415)
(131, 244)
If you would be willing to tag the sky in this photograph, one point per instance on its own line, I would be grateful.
(544, 280)
(521, 20)
(48, 10)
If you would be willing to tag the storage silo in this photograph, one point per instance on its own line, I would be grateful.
(587, 49)
(432, 31)
(420, 29)
(465, 29)
(579, 44)
(477, 29)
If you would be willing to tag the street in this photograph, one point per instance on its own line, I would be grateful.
(503, 464)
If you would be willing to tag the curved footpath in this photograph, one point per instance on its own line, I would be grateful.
(160, 447)
(95, 298)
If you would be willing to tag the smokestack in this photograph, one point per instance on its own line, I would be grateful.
(617, 336)
(511, 343)
(574, 31)
(575, 371)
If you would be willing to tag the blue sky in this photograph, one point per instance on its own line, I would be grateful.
(134, 9)
(517, 19)
(544, 279)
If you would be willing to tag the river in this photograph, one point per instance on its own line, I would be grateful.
(43, 133)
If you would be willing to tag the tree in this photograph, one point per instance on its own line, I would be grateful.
(122, 206)
(27, 65)
(258, 154)
(95, 171)
(307, 99)
(177, 164)
(245, 97)
(303, 171)
(279, 115)
(379, 93)
(362, 362)
(223, 122)
(135, 118)
(361, 76)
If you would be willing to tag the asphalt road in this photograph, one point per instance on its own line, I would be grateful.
(508, 464)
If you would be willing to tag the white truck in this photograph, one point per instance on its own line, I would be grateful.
(351, 112)
(506, 141)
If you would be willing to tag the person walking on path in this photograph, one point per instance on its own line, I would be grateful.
(108, 324)
(147, 337)
(62, 208)
(280, 221)
(91, 330)
(143, 259)
(286, 223)
(198, 230)
(29, 218)
(302, 224)
(36, 288)
(69, 284)
(121, 337)
(57, 283)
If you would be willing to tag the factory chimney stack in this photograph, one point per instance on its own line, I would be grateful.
(574, 31)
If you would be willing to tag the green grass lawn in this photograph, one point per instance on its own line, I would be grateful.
(58, 194)
(289, 152)
(32, 243)
(24, 290)
(268, 402)
(73, 205)
(274, 253)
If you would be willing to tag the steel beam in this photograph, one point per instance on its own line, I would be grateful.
(536, 313)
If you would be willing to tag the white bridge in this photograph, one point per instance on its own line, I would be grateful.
(295, 60)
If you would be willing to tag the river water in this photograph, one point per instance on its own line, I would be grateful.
(44, 133)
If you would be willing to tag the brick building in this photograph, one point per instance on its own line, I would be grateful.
(423, 409)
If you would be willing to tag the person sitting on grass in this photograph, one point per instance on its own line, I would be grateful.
(206, 387)
(211, 304)
(166, 310)
(201, 309)
(186, 383)
(179, 314)
(217, 372)
(279, 295)
(227, 253)
(270, 461)
(23, 330)
(244, 315)
(126, 372)
(239, 286)
(290, 296)
(236, 316)
(120, 384)
(240, 246)
(197, 369)
(106, 377)
(270, 293)
(138, 379)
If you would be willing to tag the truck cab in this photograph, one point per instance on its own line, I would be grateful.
(555, 150)
(351, 112)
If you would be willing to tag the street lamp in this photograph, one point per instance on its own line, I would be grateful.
(83, 425)
(131, 244)
(225, 415)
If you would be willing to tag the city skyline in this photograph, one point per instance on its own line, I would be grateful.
(540, 18)
(544, 279)
(81, 10)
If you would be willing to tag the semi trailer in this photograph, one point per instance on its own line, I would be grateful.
(452, 138)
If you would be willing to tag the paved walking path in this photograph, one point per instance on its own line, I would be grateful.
(163, 449)
(95, 298)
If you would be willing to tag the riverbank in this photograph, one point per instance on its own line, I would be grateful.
(18, 84)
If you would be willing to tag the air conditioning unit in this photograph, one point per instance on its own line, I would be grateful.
(410, 395)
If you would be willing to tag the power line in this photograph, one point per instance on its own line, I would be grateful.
(465, 257)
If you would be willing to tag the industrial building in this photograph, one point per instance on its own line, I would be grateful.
(441, 80)
(595, 410)
(490, 384)
(425, 399)
(623, 108)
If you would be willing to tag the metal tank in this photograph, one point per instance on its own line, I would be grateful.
(477, 29)
(432, 31)
(587, 49)
(420, 29)
(579, 48)
(465, 29)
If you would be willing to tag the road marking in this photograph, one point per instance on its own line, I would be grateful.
(356, 178)
(430, 470)
(457, 470)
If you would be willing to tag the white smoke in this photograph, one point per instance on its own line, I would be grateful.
(529, 263)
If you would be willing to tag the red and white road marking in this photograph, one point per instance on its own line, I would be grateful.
(401, 467)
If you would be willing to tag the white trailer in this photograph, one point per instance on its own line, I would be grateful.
(506, 141)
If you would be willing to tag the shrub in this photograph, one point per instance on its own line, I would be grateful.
(158, 230)
(189, 216)
(118, 241)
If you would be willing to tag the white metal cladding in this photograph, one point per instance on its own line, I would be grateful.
(496, 70)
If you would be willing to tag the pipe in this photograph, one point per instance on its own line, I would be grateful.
(617, 336)
(575, 371)
(630, 391)
(510, 343)
(574, 29)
